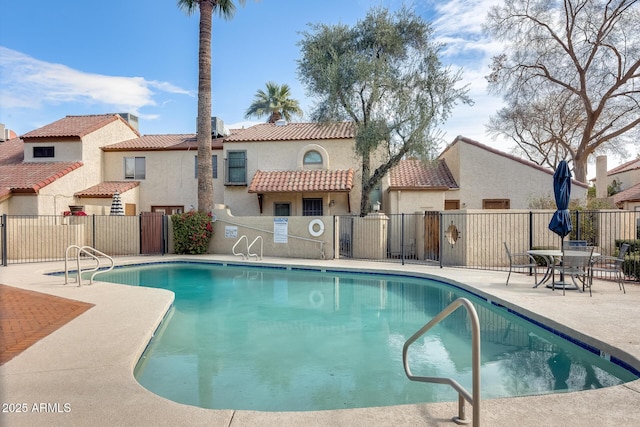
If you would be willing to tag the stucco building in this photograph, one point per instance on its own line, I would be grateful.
(281, 169)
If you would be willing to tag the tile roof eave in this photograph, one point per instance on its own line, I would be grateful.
(36, 187)
(419, 188)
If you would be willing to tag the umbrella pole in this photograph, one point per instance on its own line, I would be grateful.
(562, 272)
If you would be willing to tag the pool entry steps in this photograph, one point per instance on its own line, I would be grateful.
(86, 251)
(463, 394)
(249, 246)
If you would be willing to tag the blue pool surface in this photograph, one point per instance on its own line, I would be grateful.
(276, 339)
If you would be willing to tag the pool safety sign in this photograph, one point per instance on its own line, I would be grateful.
(230, 232)
(280, 230)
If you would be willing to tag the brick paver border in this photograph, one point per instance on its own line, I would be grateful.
(28, 316)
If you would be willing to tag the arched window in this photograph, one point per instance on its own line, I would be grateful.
(312, 157)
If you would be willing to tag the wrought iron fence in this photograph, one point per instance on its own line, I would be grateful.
(39, 238)
(474, 239)
(470, 239)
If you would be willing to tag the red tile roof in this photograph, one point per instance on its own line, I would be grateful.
(293, 132)
(107, 189)
(631, 194)
(420, 175)
(301, 180)
(73, 126)
(31, 177)
(630, 165)
(162, 143)
(11, 152)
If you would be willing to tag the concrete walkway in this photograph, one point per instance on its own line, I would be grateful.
(82, 373)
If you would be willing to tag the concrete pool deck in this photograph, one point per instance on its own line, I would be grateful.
(83, 371)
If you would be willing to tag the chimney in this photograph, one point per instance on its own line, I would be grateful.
(281, 122)
(601, 177)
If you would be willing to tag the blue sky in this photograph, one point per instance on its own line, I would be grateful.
(78, 57)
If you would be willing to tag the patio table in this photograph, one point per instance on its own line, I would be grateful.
(550, 255)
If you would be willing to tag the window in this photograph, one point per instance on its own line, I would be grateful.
(134, 168)
(282, 209)
(236, 165)
(214, 165)
(496, 204)
(451, 205)
(312, 207)
(168, 210)
(312, 158)
(40, 152)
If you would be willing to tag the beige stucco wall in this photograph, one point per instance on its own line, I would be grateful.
(627, 179)
(405, 201)
(482, 174)
(300, 244)
(287, 155)
(64, 151)
(54, 198)
(170, 178)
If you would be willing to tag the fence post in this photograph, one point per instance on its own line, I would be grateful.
(440, 234)
(93, 230)
(402, 239)
(3, 237)
(578, 225)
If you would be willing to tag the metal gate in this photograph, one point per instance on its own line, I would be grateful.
(152, 233)
(345, 234)
(432, 235)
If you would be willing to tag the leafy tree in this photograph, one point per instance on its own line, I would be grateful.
(226, 10)
(276, 103)
(573, 68)
(384, 75)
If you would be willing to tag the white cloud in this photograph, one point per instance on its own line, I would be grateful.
(30, 83)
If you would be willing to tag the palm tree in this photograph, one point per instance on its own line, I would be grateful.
(226, 10)
(276, 103)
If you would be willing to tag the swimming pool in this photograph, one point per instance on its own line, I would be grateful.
(273, 339)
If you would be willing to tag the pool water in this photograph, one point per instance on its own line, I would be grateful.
(277, 340)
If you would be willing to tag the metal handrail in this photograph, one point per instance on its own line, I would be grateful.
(88, 250)
(249, 254)
(463, 394)
(233, 249)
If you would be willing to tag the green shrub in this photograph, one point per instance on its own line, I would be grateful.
(192, 232)
(631, 267)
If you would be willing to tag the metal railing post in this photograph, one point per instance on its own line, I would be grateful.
(440, 236)
(3, 237)
(402, 238)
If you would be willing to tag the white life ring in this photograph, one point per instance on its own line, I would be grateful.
(312, 228)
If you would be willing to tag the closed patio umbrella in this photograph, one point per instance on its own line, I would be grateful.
(116, 204)
(561, 220)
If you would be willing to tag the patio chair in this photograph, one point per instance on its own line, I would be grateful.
(576, 263)
(611, 265)
(521, 260)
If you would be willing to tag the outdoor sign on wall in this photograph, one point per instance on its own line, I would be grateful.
(280, 230)
(230, 232)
